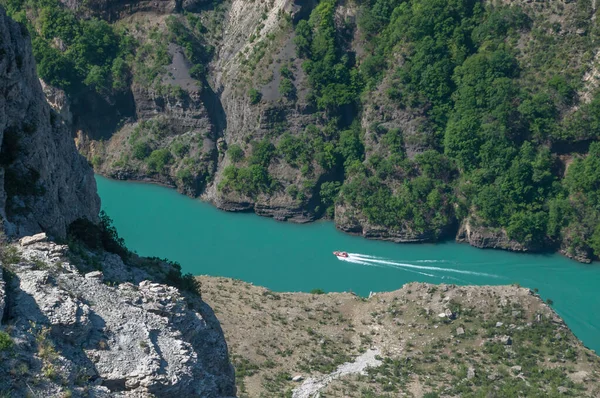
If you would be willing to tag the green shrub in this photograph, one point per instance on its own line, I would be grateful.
(141, 150)
(255, 96)
(159, 159)
(235, 153)
(287, 88)
(180, 149)
(6, 342)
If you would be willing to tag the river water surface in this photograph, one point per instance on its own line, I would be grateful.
(157, 221)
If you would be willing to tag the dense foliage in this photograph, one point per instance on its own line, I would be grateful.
(426, 113)
(73, 53)
(493, 125)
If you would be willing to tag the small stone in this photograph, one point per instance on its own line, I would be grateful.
(516, 369)
(562, 390)
(460, 331)
(498, 324)
(94, 275)
(297, 378)
(442, 315)
(538, 318)
(30, 240)
(516, 314)
(506, 340)
(470, 373)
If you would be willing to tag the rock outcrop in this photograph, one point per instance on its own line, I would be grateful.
(44, 183)
(350, 220)
(485, 237)
(74, 331)
(82, 323)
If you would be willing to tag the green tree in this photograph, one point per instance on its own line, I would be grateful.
(235, 152)
(159, 159)
(255, 96)
(141, 150)
(287, 88)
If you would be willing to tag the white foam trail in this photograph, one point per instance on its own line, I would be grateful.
(358, 255)
(432, 261)
(428, 268)
(357, 260)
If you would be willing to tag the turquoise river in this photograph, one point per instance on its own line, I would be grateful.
(157, 221)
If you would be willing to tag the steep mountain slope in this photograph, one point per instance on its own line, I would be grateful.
(403, 120)
(45, 184)
(88, 318)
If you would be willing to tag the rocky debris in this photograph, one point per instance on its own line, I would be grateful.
(94, 275)
(506, 340)
(30, 240)
(499, 324)
(460, 331)
(56, 184)
(312, 386)
(471, 373)
(127, 339)
(579, 376)
(297, 378)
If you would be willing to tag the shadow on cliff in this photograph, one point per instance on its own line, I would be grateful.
(25, 314)
(100, 117)
(214, 107)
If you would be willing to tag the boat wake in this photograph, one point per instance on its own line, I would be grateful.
(374, 261)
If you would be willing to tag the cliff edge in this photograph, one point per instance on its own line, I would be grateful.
(44, 183)
(88, 319)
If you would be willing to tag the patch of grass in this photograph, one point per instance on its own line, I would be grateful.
(6, 342)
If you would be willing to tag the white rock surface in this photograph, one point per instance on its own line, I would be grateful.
(45, 184)
(126, 339)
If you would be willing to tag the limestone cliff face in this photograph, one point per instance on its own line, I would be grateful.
(73, 330)
(111, 334)
(485, 237)
(248, 28)
(45, 184)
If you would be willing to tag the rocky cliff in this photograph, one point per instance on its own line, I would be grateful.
(344, 110)
(44, 183)
(111, 333)
(77, 320)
